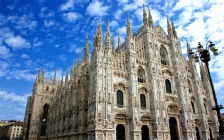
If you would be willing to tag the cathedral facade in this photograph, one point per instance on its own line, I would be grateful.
(142, 89)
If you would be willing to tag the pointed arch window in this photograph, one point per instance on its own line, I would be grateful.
(143, 102)
(189, 85)
(192, 105)
(120, 98)
(141, 75)
(206, 112)
(44, 120)
(168, 86)
(163, 56)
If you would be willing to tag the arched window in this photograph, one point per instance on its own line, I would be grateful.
(120, 98)
(189, 85)
(168, 86)
(192, 105)
(44, 120)
(120, 132)
(142, 99)
(164, 56)
(141, 75)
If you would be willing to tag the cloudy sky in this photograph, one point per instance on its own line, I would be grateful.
(52, 33)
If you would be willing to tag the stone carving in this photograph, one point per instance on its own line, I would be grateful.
(86, 103)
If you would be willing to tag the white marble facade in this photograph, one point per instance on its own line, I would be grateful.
(142, 89)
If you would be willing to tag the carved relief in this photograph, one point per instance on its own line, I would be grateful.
(173, 109)
(120, 86)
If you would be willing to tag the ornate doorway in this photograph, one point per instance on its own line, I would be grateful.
(173, 129)
(145, 132)
(120, 132)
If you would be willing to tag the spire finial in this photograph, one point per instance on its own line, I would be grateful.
(55, 75)
(108, 35)
(150, 20)
(100, 37)
(66, 76)
(119, 40)
(145, 20)
(169, 28)
(174, 30)
(128, 27)
(86, 52)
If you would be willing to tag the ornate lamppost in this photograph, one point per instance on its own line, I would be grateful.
(204, 55)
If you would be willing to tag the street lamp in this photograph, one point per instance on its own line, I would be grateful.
(204, 55)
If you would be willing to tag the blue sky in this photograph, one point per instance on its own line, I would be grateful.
(52, 33)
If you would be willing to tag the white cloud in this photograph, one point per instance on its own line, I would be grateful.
(21, 75)
(68, 5)
(113, 24)
(5, 95)
(134, 5)
(5, 33)
(12, 105)
(62, 57)
(75, 49)
(122, 1)
(96, 8)
(117, 15)
(49, 23)
(122, 30)
(4, 52)
(46, 13)
(25, 21)
(71, 16)
(25, 56)
(3, 68)
(17, 42)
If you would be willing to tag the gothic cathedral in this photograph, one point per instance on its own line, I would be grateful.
(144, 89)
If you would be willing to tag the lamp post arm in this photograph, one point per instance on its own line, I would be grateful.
(217, 107)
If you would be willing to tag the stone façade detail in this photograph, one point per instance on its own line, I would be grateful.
(85, 106)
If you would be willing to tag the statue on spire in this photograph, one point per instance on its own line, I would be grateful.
(86, 52)
(128, 27)
(118, 39)
(174, 30)
(108, 35)
(145, 20)
(150, 21)
(169, 29)
(100, 36)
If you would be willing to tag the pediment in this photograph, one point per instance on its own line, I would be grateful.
(173, 109)
(122, 116)
(146, 117)
(121, 84)
(167, 70)
(143, 89)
